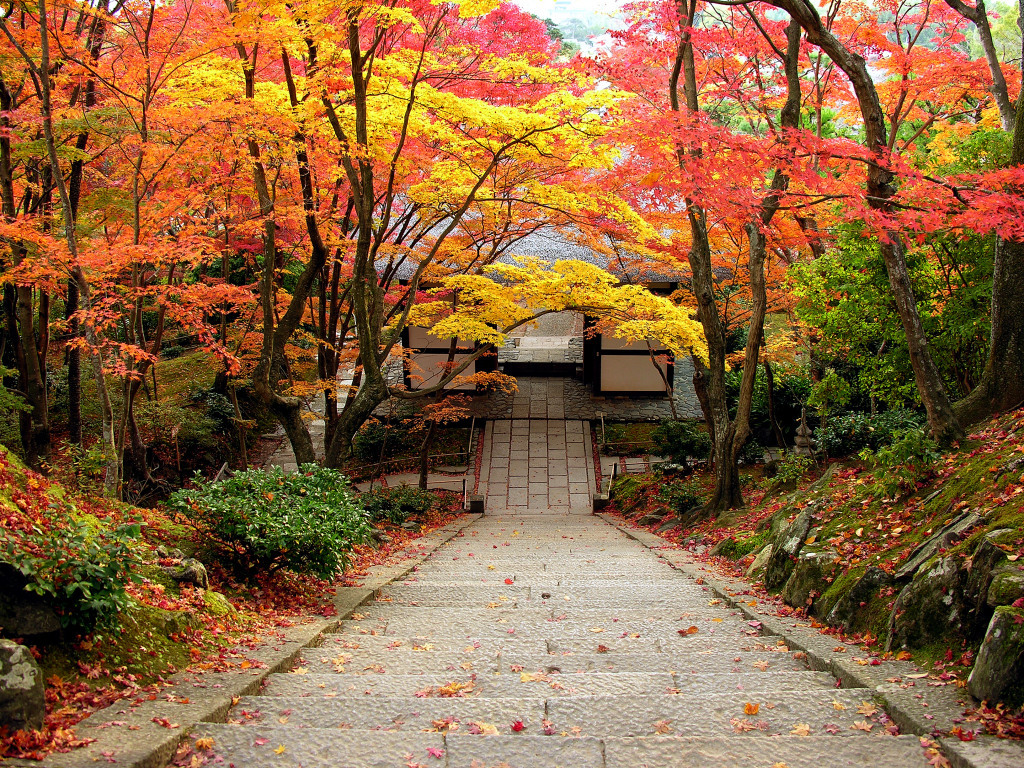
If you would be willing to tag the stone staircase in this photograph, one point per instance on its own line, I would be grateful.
(553, 641)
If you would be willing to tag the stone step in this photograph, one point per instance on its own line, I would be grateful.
(700, 661)
(398, 661)
(749, 751)
(711, 713)
(512, 685)
(421, 644)
(285, 747)
(536, 613)
(379, 713)
(553, 630)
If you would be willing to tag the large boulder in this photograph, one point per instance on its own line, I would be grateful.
(986, 560)
(812, 575)
(760, 561)
(24, 614)
(941, 539)
(786, 547)
(998, 674)
(932, 607)
(844, 612)
(189, 571)
(1006, 586)
(22, 700)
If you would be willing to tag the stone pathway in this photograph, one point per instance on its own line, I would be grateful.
(535, 466)
(551, 640)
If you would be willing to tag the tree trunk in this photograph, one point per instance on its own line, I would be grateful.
(979, 17)
(428, 440)
(1002, 383)
(880, 190)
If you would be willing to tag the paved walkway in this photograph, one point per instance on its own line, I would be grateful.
(544, 640)
(538, 466)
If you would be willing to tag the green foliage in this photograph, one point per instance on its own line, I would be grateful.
(9, 401)
(81, 568)
(829, 395)
(791, 469)
(853, 432)
(907, 461)
(396, 505)
(376, 440)
(752, 452)
(791, 390)
(846, 295)
(680, 495)
(307, 521)
(680, 441)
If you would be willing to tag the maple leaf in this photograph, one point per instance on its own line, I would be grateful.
(751, 709)
(279, 750)
(517, 726)
(204, 744)
(862, 725)
(866, 709)
(435, 752)
(838, 705)
(801, 729)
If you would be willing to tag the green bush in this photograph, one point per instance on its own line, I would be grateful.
(900, 466)
(307, 521)
(396, 505)
(791, 469)
(853, 432)
(680, 441)
(82, 570)
(680, 495)
(376, 440)
(752, 452)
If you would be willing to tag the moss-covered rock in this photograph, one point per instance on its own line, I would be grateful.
(217, 604)
(786, 547)
(932, 606)
(998, 674)
(760, 561)
(1006, 586)
(847, 596)
(812, 575)
(22, 701)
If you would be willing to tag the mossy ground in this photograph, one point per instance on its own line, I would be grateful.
(864, 528)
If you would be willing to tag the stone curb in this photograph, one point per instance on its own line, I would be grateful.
(131, 737)
(922, 711)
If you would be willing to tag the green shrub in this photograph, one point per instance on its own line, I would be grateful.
(396, 505)
(680, 495)
(853, 432)
(680, 441)
(81, 569)
(307, 521)
(752, 452)
(791, 469)
(830, 395)
(900, 466)
(376, 440)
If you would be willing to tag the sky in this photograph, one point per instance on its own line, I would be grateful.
(547, 8)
